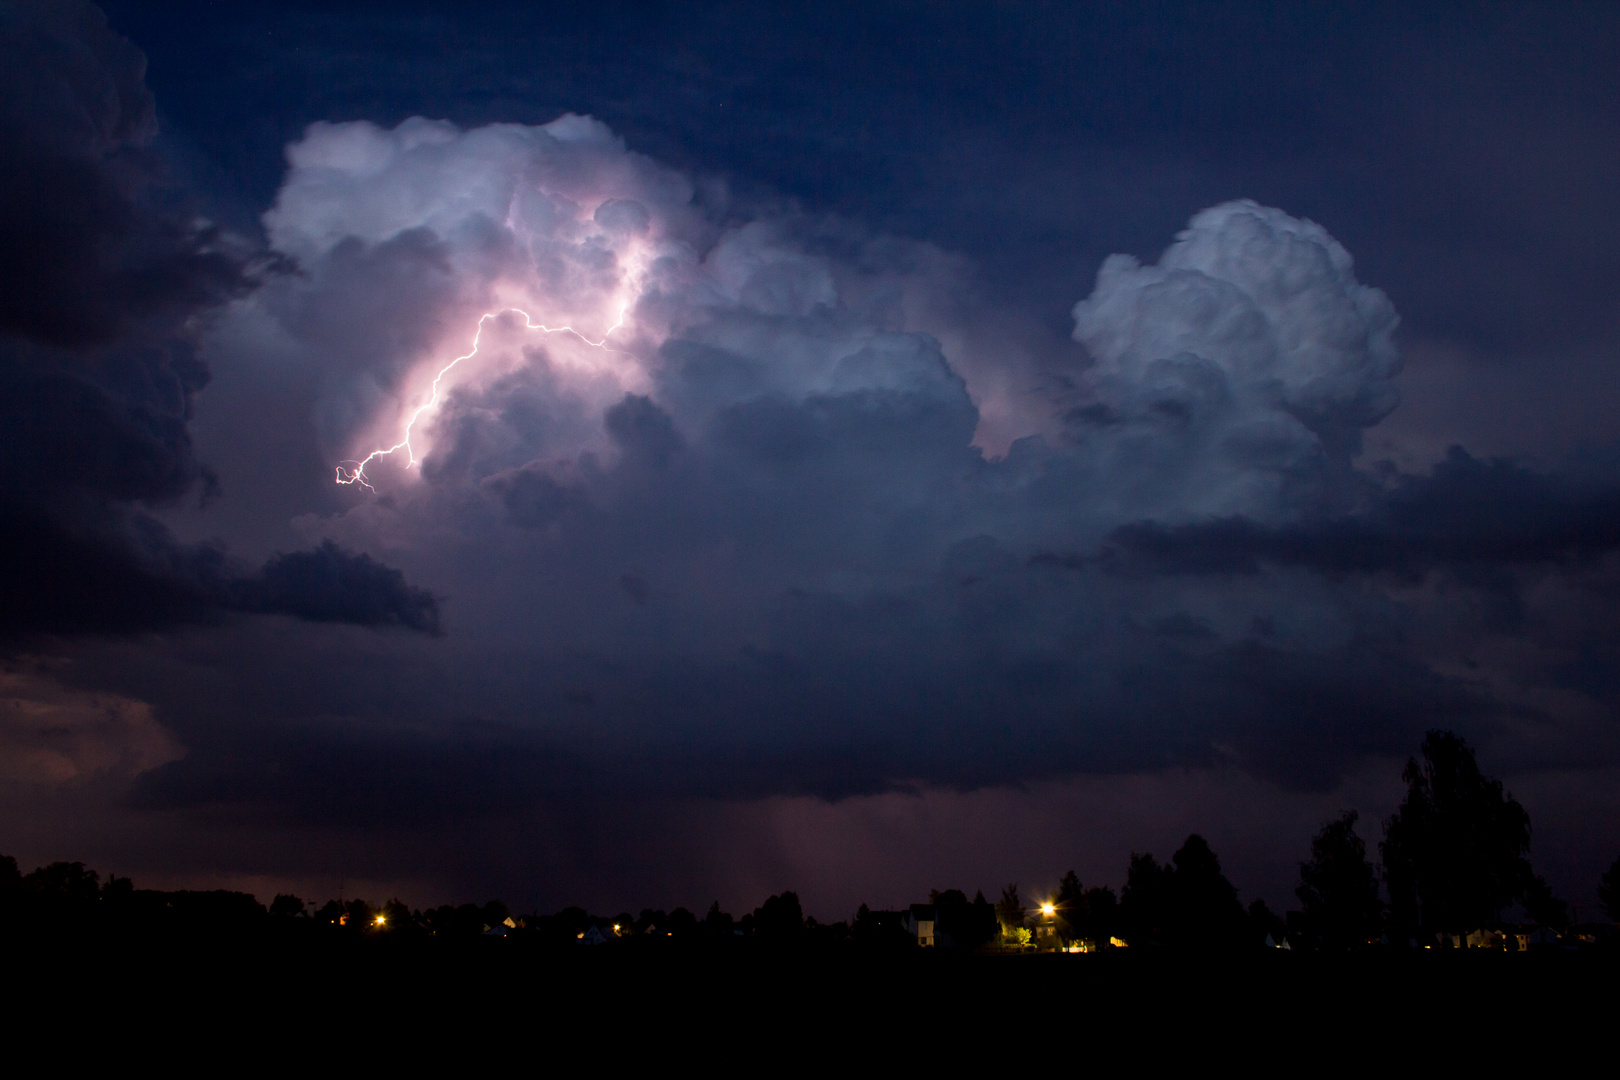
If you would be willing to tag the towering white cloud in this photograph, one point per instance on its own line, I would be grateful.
(1239, 368)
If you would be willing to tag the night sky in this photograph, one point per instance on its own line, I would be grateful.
(912, 445)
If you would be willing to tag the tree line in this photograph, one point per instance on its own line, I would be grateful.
(1453, 860)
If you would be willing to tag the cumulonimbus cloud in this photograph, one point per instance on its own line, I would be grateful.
(735, 523)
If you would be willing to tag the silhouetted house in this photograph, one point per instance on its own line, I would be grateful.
(1591, 934)
(1540, 936)
(597, 935)
(881, 927)
(919, 922)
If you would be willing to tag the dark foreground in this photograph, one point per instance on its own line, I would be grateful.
(368, 1000)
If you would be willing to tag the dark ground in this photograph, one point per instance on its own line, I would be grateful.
(365, 1003)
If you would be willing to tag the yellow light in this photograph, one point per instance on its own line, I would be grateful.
(615, 928)
(381, 919)
(1048, 909)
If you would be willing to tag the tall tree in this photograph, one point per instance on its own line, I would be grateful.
(1070, 891)
(984, 925)
(1101, 923)
(1454, 852)
(1338, 888)
(1010, 910)
(1144, 903)
(719, 924)
(286, 906)
(780, 917)
(1186, 902)
(1205, 911)
(1609, 891)
(1070, 903)
(1543, 907)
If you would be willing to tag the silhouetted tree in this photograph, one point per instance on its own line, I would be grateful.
(717, 923)
(1454, 852)
(1186, 902)
(1543, 907)
(357, 915)
(495, 912)
(467, 920)
(681, 924)
(1338, 888)
(1609, 891)
(567, 925)
(983, 924)
(1085, 914)
(780, 917)
(880, 929)
(1070, 904)
(64, 881)
(1099, 922)
(960, 923)
(397, 918)
(118, 891)
(951, 915)
(1144, 903)
(1204, 909)
(286, 906)
(1010, 910)
(10, 876)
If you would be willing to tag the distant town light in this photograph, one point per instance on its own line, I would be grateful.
(1049, 909)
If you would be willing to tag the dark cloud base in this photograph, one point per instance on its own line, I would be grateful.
(105, 272)
(1467, 513)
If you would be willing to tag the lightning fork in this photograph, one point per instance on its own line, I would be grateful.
(357, 475)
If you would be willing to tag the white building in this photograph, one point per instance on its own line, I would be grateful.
(919, 921)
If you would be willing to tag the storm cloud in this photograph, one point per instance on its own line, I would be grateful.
(718, 507)
(501, 501)
(107, 277)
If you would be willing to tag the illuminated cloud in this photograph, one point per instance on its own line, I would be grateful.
(749, 537)
(52, 735)
(1237, 373)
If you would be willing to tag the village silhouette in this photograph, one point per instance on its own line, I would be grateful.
(1453, 873)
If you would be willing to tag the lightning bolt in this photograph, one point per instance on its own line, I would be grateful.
(357, 475)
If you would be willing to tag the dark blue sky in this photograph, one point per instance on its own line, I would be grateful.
(871, 561)
(1463, 153)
